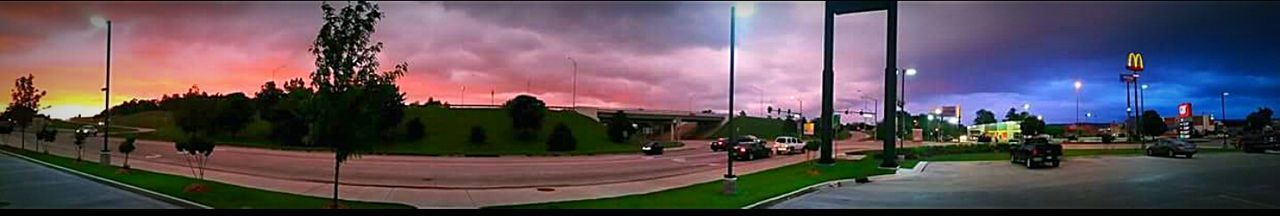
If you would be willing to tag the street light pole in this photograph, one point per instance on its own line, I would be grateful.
(1078, 85)
(105, 155)
(1224, 119)
(731, 181)
(574, 102)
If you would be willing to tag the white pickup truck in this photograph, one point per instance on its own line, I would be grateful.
(787, 145)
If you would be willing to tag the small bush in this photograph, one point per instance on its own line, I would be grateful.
(561, 139)
(414, 130)
(477, 135)
(1107, 138)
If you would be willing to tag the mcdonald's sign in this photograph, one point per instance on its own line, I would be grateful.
(1135, 62)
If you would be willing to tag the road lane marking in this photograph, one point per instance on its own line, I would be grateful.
(152, 156)
(1248, 201)
(678, 160)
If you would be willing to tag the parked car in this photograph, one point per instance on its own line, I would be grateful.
(749, 148)
(1171, 147)
(720, 144)
(788, 145)
(1260, 141)
(88, 129)
(1036, 151)
(652, 148)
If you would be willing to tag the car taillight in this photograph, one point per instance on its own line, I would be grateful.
(742, 149)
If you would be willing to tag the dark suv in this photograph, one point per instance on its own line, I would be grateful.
(749, 148)
(1036, 151)
(1260, 141)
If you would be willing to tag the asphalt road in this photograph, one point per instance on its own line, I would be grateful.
(439, 172)
(1224, 180)
(26, 185)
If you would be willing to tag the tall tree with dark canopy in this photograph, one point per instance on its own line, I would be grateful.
(984, 117)
(1258, 120)
(1153, 124)
(619, 128)
(350, 94)
(25, 104)
(1032, 126)
(526, 114)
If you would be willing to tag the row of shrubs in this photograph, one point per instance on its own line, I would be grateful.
(928, 151)
(561, 139)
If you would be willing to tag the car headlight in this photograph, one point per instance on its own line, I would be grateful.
(644, 148)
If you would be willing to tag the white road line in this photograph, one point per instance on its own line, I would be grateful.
(1248, 201)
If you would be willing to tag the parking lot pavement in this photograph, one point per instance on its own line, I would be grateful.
(25, 185)
(1227, 180)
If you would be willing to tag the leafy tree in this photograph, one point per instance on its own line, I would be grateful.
(199, 116)
(346, 111)
(1032, 126)
(526, 114)
(561, 139)
(1153, 124)
(25, 104)
(984, 117)
(79, 144)
(127, 147)
(790, 127)
(234, 112)
(477, 135)
(132, 106)
(196, 149)
(49, 135)
(267, 98)
(414, 130)
(620, 127)
(1258, 120)
(287, 124)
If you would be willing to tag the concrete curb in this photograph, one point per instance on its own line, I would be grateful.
(839, 182)
(123, 186)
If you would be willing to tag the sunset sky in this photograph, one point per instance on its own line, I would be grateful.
(672, 55)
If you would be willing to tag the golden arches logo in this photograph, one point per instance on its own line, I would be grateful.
(1135, 62)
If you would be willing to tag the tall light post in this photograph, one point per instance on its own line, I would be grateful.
(1224, 119)
(105, 155)
(574, 102)
(730, 180)
(902, 104)
(1078, 85)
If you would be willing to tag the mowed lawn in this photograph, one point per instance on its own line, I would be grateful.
(447, 132)
(752, 188)
(218, 195)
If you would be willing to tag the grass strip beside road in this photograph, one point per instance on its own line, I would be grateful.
(752, 188)
(219, 195)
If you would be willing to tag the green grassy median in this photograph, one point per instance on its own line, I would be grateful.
(752, 188)
(218, 195)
